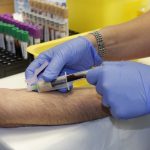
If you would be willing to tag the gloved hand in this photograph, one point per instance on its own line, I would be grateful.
(74, 55)
(125, 87)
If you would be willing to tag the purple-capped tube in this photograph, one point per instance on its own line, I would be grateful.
(8, 15)
(1, 17)
(21, 25)
(5, 19)
(9, 20)
(16, 23)
(31, 39)
(36, 32)
(40, 23)
(25, 26)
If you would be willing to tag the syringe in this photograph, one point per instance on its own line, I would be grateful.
(61, 82)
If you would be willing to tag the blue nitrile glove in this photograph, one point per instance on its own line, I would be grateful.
(78, 54)
(125, 87)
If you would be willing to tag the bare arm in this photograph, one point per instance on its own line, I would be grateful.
(22, 108)
(126, 41)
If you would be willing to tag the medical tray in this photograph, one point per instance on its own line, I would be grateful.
(11, 64)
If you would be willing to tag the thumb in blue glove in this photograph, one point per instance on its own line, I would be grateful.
(125, 87)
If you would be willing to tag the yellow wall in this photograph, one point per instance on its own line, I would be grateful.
(85, 15)
(6, 6)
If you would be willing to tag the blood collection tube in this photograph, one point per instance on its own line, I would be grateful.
(12, 41)
(56, 22)
(16, 36)
(46, 31)
(51, 16)
(24, 43)
(33, 6)
(6, 36)
(31, 39)
(24, 15)
(27, 17)
(65, 17)
(2, 41)
(57, 31)
(36, 33)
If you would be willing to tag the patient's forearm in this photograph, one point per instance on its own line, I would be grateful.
(19, 107)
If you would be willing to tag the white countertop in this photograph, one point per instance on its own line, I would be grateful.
(101, 134)
(13, 82)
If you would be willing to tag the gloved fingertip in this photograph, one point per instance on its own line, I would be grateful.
(48, 76)
(27, 76)
(105, 103)
(120, 115)
(90, 78)
(65, 90)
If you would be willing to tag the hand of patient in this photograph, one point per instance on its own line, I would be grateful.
(22, 108)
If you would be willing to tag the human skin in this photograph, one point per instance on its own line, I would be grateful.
(126, 41)
(23, 108)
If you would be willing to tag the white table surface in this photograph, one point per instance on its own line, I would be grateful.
(101, 134)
